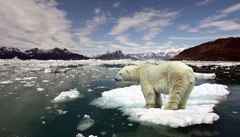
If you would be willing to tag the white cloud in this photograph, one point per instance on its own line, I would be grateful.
(187, 28)
(217, 22)
(90, 27)
(150, 22)
(207, 37)
(34, 23)
(193, 30)
(183, 27)
(123, 40)
(116, 4)
(97, 11)
(203, 2)
(222, 25)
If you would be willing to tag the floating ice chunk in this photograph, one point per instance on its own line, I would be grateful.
(47, 70)
(45, 81)
(99, 87)
(28, 84)
(199, 107)
(40, 89)
(90, 90)
(234, 112)
(205, 75)
(103, 133)
(6, 82)
(29, 78)
(85, 123)
(18, 79)
(79, 135)
(68, 96)
(61, 112)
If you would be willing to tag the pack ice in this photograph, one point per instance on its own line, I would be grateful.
(199, 109)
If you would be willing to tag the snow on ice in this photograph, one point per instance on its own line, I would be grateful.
(68, 96)
(199, 108)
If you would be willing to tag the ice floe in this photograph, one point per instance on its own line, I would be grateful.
(61, 112)
(47, 70)
(70, 95)
(6, 82)
(199, 107)
(205, 75)
(85, 123)
(40, 89)
(29, 78)
(81, 135)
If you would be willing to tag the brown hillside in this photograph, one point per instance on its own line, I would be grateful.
(225, 49)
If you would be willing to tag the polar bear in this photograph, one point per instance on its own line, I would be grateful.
(173, 78)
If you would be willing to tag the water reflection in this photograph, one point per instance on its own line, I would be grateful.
(163, 131)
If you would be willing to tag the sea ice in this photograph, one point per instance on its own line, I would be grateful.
(67, 96)
(61, 112)
(29, 78)
(205, 75)
(6, 82)
(47, 70)
(40, 89)
(85, 123)
(199, 108)
(79, 135)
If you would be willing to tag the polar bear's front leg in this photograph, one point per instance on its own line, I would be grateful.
(158, 100)
(149, 95)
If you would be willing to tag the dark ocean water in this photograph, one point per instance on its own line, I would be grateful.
(27, 112)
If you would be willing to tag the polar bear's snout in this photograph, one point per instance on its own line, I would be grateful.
(117, 78)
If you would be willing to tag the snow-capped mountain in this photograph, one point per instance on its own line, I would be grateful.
(55, 53)
(163, 54)
(10, 52)
(35, 53)
(114, 56)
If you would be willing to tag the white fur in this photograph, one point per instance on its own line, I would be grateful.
(173, 78)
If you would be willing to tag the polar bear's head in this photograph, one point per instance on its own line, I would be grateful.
(126, 74)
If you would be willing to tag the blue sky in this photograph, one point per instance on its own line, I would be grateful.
(92, 27)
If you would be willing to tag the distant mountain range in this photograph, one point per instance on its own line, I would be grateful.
(224, 49)
(158, 55)
(55, 54)
(64, 54)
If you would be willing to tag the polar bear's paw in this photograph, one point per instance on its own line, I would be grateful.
(170, 108)
(147, 106)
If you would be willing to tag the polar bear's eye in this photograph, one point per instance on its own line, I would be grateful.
(120, 73)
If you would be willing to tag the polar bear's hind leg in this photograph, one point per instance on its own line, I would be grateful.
(176, 96)
(183, 103)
